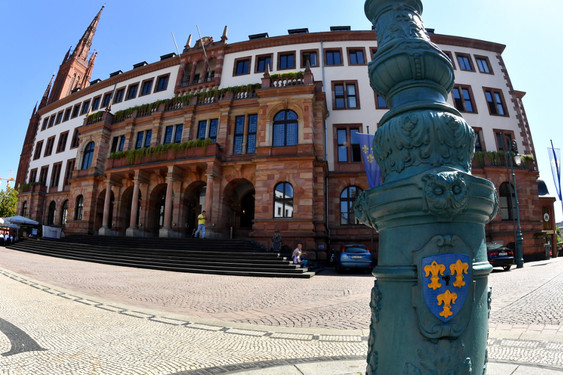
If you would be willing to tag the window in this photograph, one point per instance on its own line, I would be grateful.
(75, 141)
(173, 134)
(380, 102)
(464, 62)
(79, 209)
(51, 121)
(347, 198)
(96, 103)
(24, 208)
(495, 101)
(286, 61)
(66, 117)
(507, 201)
(119, 95)
(262, 62)
(202, 131)
(463, 99)
(49, 146)
(68, 171)
(143, 139)
(75, 110)
(38, 147)
(356, 56)
(62, 142)
(348, 145)
(478, 140)
(85, 107)
(248, 124)
(146, 88)
(45, 123)
(483, 64)
(132, 91)
(285, 129)
(333, 57)
(52, 213)
(161, 83)
(56, 174)
(107, 99)
(309, 57)
(59, 118)
(88, 155)
(283, 200)
(43, 175)
(504, 140)
(242, 66)
(64, 213)
(345, 95)
(117, 143)
(32, 176)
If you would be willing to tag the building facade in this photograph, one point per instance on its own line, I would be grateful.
(259, 133)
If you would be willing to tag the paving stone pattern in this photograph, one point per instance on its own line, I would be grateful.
(98, 319)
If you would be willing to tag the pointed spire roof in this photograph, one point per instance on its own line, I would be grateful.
(46, 94)
(83, 47)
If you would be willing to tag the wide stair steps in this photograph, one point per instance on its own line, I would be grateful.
(222, 257)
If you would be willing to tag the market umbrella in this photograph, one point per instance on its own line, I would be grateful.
(7, 224)
(1, 221)
(20, 220)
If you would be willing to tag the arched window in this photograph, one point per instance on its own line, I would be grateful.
(51, 213)
(64, 213)
(507, 201)
(285, 129)
(283, 200)
(88, 155)
(347, 198)
(24, 208)
(79, 209)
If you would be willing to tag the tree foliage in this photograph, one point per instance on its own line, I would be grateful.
(8, 202)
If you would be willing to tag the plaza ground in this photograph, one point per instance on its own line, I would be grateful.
(86, 318)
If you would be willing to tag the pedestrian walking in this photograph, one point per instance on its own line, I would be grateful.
(200, 225)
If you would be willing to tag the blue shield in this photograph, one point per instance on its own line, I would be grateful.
(446, 279)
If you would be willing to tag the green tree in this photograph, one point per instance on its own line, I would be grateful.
(8, 202)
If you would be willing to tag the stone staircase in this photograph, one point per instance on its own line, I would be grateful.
(222, 257)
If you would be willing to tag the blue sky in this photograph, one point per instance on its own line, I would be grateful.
(36, 34)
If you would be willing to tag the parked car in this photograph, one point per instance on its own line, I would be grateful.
(500, 256)
(354, 256)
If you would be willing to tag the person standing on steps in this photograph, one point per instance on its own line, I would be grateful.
(200, 225)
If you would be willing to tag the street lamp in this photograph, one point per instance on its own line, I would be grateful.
(519, 237)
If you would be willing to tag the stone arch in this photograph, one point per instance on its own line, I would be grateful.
(156, 204)
(238, 207)
(193, 202)
(99, 210)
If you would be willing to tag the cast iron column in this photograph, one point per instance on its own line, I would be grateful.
(431, 300)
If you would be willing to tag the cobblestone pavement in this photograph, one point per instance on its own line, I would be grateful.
(86, 318)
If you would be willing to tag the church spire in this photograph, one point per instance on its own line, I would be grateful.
(83, 47)
(45, 98)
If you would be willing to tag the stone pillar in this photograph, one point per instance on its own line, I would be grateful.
(166, 231)
(431, 299)
(104, 230)
(134, 209)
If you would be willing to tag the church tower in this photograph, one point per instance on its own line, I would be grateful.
(76, 69)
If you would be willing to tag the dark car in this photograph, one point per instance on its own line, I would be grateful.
(500, 256)
(354, 256)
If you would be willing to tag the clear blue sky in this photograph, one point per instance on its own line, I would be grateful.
(36, 34)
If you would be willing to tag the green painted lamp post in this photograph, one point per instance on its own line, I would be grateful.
(519, 237)
(431, 299)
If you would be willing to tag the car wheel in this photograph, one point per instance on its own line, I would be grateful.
(506, 268)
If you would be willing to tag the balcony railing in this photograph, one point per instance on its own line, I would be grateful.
(499, 159)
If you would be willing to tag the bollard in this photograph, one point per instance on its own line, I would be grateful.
(431, 300)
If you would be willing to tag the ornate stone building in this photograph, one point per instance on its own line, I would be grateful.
(259, 133)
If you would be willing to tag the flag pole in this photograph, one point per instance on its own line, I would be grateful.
(558, 182)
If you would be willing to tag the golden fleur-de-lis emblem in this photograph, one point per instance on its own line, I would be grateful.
(436, 270)
(370, 158)
(365, 149)
(447, 299)
(458, 269)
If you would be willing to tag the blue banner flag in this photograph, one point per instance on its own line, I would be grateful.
(555, 161)
(372, 168)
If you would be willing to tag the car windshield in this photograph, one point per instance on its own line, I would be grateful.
(355, 249)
